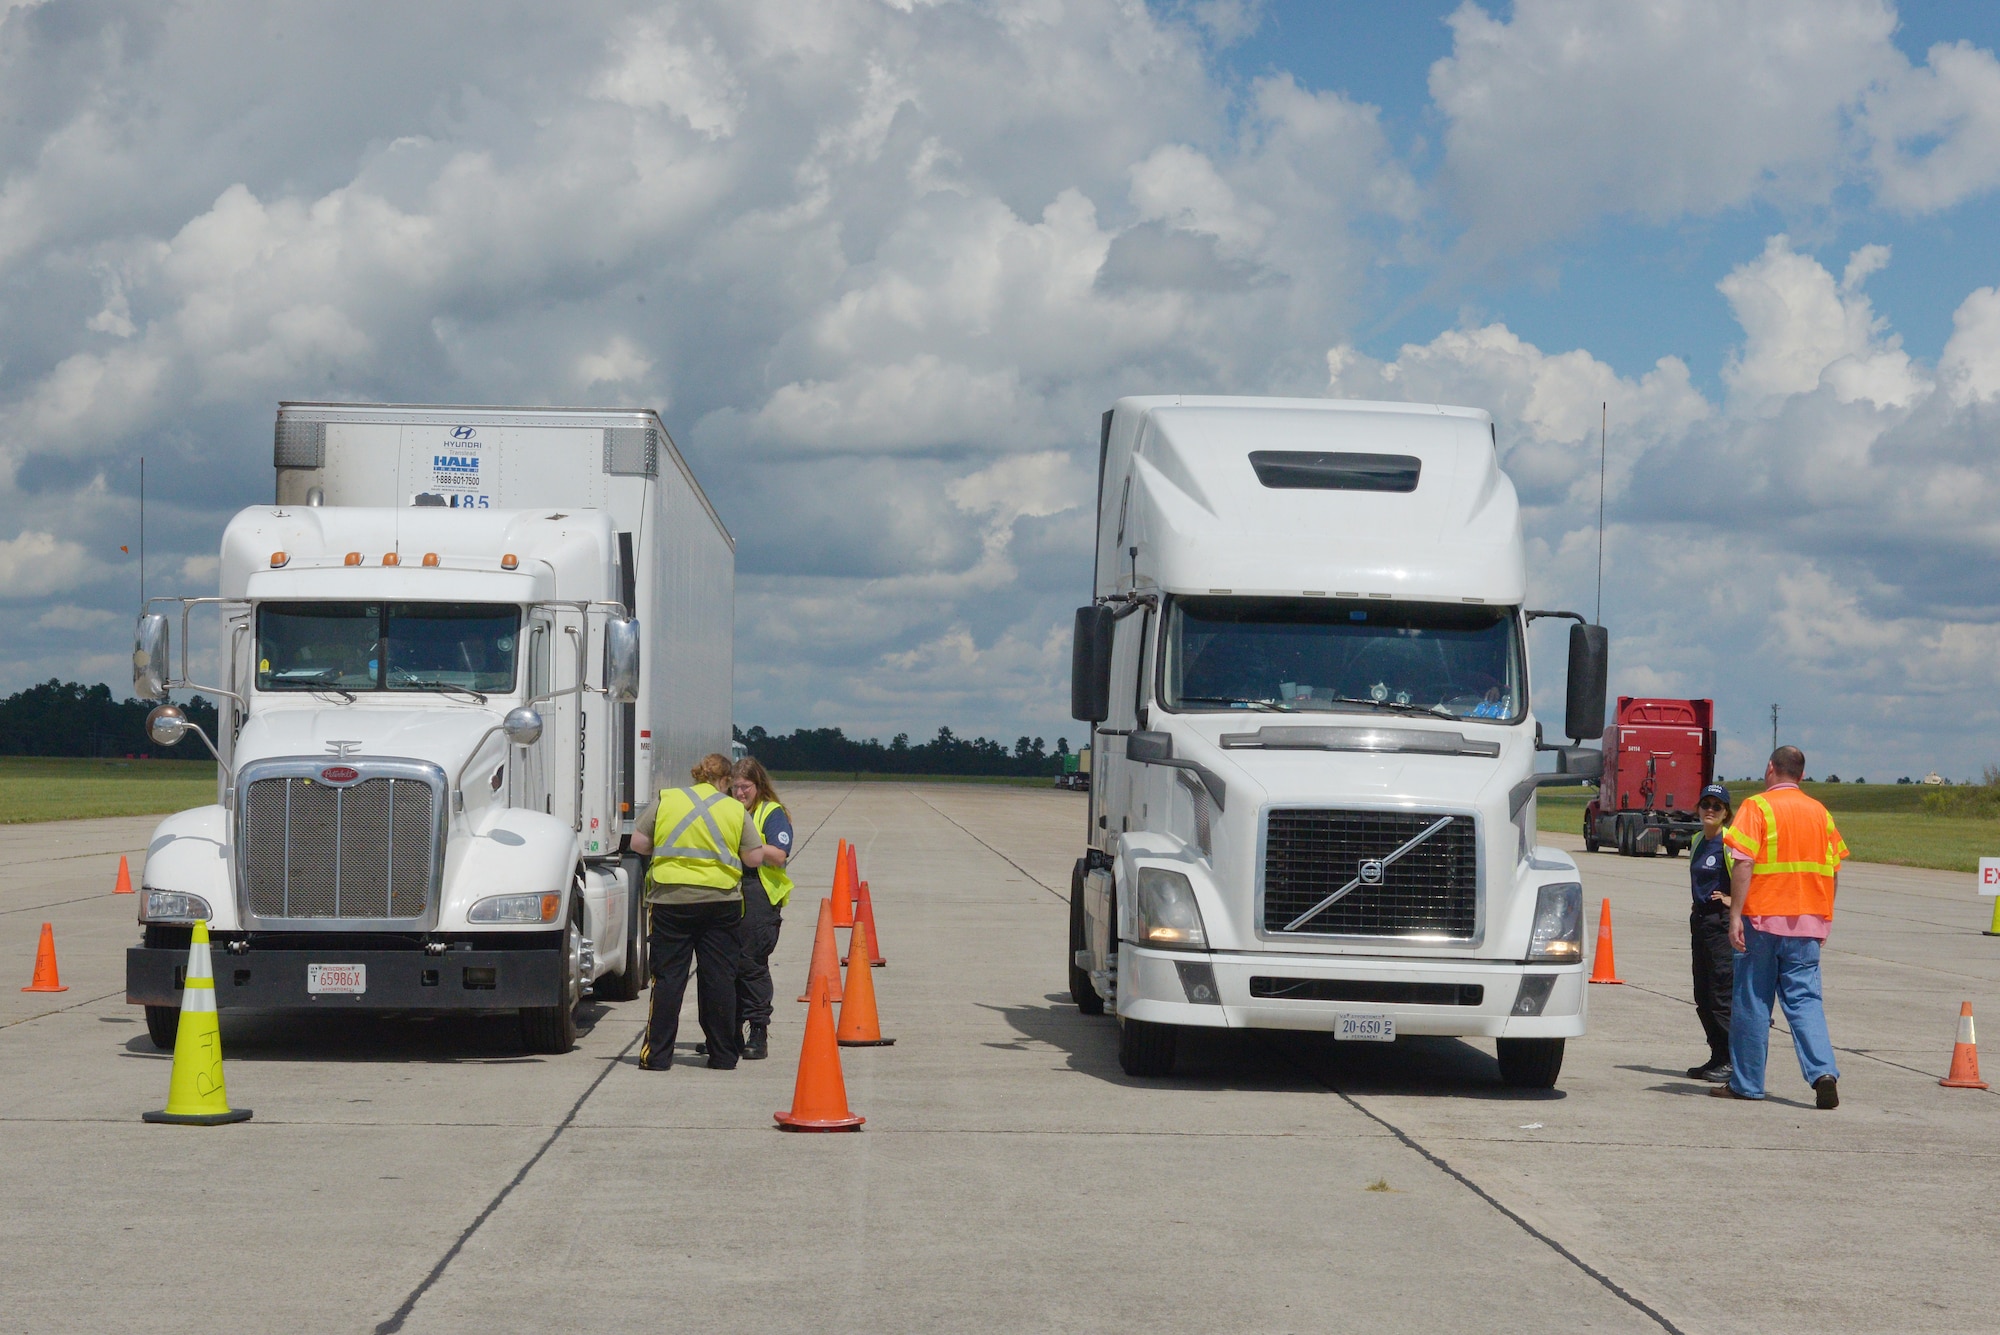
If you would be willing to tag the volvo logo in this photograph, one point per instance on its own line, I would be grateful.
(461, 433)
(339, 774)
(1370, 871)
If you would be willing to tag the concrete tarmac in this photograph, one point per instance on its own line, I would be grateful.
(425, 1175)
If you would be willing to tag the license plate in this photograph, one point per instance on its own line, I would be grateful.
(323, 978)
(1366, 1029)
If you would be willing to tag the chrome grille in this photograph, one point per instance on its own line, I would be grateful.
(360, 851)
(1432, 890)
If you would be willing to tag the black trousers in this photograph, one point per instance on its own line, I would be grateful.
(707, 936)
(1714, 975)
(761, 923)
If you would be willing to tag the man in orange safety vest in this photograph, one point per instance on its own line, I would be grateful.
(1781, 907)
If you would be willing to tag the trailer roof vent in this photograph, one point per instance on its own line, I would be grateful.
(1323, 470)
(632, 451)
(299, 444)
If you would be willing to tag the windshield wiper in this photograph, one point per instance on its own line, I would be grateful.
(1271, 706)
(415, 683)
(1393, 706)
(341, 691)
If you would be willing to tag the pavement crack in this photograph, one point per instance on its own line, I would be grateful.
(995, 852)
(42, 1015)
(1410, 1142)
(409, 1304)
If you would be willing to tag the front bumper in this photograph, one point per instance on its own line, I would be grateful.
(1151, 987)
(397, 979)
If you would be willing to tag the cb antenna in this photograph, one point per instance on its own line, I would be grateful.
(1603, 436)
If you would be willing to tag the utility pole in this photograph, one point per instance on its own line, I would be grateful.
(1774, 727)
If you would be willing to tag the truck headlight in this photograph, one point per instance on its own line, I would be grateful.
(520, 908)
(1558, 934)
(171, 906)
(1168, 915)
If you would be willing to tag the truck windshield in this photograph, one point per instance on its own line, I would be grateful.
(1292, 654)
(386, 646)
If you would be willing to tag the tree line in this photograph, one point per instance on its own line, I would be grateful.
(67, 718)
(831, 749)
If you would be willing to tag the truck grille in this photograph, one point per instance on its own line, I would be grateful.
(314, 850)
(1432, 890)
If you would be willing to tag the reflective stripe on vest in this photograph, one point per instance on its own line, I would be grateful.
(695, 838)
(1782, 883)
(777, 884)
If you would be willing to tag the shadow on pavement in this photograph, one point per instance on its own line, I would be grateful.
(1209, 1059)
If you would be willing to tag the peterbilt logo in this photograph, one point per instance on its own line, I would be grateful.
(339, 774)
(1370, 871)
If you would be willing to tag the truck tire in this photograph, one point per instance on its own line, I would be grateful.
(1590, 843)
(1080, 989)
(1625, 831)
(1530, 1063)
(552, 1029)
(1146, 1049)
(163, 1025)
(630, 981)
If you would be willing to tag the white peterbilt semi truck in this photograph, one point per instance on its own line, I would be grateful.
(1315, 761)
(455, 657)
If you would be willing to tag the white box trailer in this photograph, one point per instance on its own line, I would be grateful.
(434, 733)
(1312, 804)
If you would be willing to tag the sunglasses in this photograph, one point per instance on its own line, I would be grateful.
(1710, 806)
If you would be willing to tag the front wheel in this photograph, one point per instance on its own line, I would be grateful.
(1080, 989)
(1530, 1063)
(163, 1026)
(1590, 843)
(553, 1028)
(1146, 1049)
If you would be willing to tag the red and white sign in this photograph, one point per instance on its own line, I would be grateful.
(1989, 876)
(336, 978)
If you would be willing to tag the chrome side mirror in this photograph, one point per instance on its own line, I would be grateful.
(166, 725)
(523, 726)
(621, 660)
(151, 668)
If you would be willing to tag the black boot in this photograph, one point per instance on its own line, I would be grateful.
(758, 1045)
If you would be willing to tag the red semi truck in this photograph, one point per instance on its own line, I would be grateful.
(1665, 756)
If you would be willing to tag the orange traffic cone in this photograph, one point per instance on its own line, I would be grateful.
(1606, 968)
(843, 886)
(859, 1025)
(46, 979)
(819, 1098)
(123, 886)
(864, 915)
(825, 959)
(1964, 1055)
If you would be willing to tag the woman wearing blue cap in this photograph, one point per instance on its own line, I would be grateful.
(1708, 929)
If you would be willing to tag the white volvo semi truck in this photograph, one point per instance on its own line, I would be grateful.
(456, 655)
(1312, 804)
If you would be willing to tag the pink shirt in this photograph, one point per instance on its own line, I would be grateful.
(1793, 924)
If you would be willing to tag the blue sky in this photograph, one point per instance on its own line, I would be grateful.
(881, 263)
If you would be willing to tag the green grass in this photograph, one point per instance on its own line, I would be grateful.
(1882, 822)
(843, 776)
(36, 788)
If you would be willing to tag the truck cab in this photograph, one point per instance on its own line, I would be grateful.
(1314, 742)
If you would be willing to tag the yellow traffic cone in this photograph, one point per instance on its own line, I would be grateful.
(195, 1096)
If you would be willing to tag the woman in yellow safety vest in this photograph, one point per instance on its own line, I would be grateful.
(764, 899)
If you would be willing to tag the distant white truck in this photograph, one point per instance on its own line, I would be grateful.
(459, 652)
(1313, 798)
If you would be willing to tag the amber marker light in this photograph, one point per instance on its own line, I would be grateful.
(353, 559)
(278, 559)
(550, 905)
(430, 558)
(509, 561)
(391, 559)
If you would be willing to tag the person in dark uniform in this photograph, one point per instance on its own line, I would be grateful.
(763, 913)
(1708, 930)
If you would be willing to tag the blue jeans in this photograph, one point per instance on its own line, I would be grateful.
(1786, 967)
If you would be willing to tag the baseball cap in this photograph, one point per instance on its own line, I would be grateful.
(1716, 791)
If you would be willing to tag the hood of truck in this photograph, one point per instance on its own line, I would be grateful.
(1256, 781)
(439, 730)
